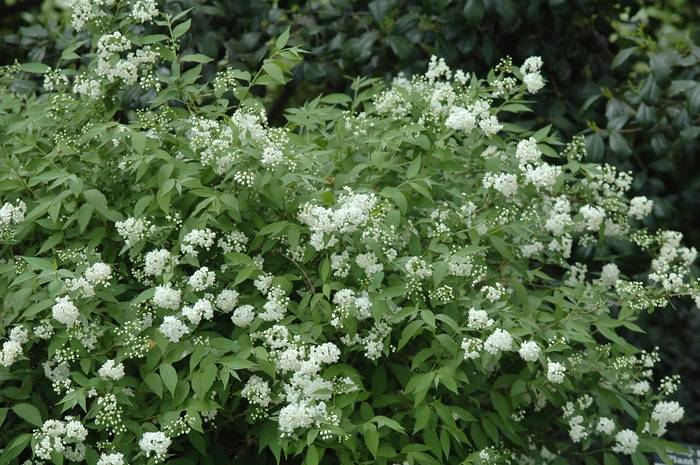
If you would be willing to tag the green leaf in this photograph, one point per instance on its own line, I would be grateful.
(384, 421)
(646, 117)
(275, 72)
(622, 56)
(371, 438)
(196, 58)
(503, 248)
(422, 417)
(282, 39)
(37, 68)
(169, 377)
(661, 69)
(181, 28)
(619, 144)
(15, 447)
(595, 147)
(473, 12)
(692, 103)
(138, 141)
(28, 413)
(311, 452)
(413, 168)
(154, 382)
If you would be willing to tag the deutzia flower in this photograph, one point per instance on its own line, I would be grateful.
(627, 442)
(173, 329)
(202, 279)
(529, 351)
(167, 297)
(154, 443)
(243, 316)
(64, 311)
(555, 372)
(111, 459)
(111, 371)
(605, 425)
(499, 340)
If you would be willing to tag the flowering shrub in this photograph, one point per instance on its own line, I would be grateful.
(394, 277)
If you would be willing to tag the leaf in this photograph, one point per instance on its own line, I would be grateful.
(619, 144)
(311, 455)
(646, 116)
(384, 421)
(169, 377)
(622, 56)
(99, 202)
(379, 9)
(282, 39)
(473, 12)
(28, 413)
(413, 168)
(422, 417)
(15, 447)
(274, 71)
(154, 382)
(196, 58)
(661, 69)
(503, 248)
(138, 141)
(371, 438)
(692, 104)
(181, 28)
(37, 68)
(595, 147)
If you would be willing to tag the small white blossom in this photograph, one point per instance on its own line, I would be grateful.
(627, 442)
(529, 351)
(173, 329)
(499, 340)
(111, 371)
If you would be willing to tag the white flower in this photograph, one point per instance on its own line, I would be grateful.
(627, 442)
(154, 443)
(461, 119)
(640, 207)
(9, 214)
(157, 262)
(529, 351)
(173, 329)
(667, 412)
(257, 391)
(640, 388)
(202, 279)
(243, 316)
(227, 300)
(98, 273)
(111, 459)
(605, 425)
(499, 340)
(200, 309)
(167, 297)
(527, 151)
(64, 311)
(594, 216)
(555, 372)
(479, 319)
(144, 11)
(610, 275)
(534, 82)
(111, 371)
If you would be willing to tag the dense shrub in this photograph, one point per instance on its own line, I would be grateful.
(391, 277)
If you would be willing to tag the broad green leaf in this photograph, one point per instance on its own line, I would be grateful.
(169, 377)
(28, 413)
